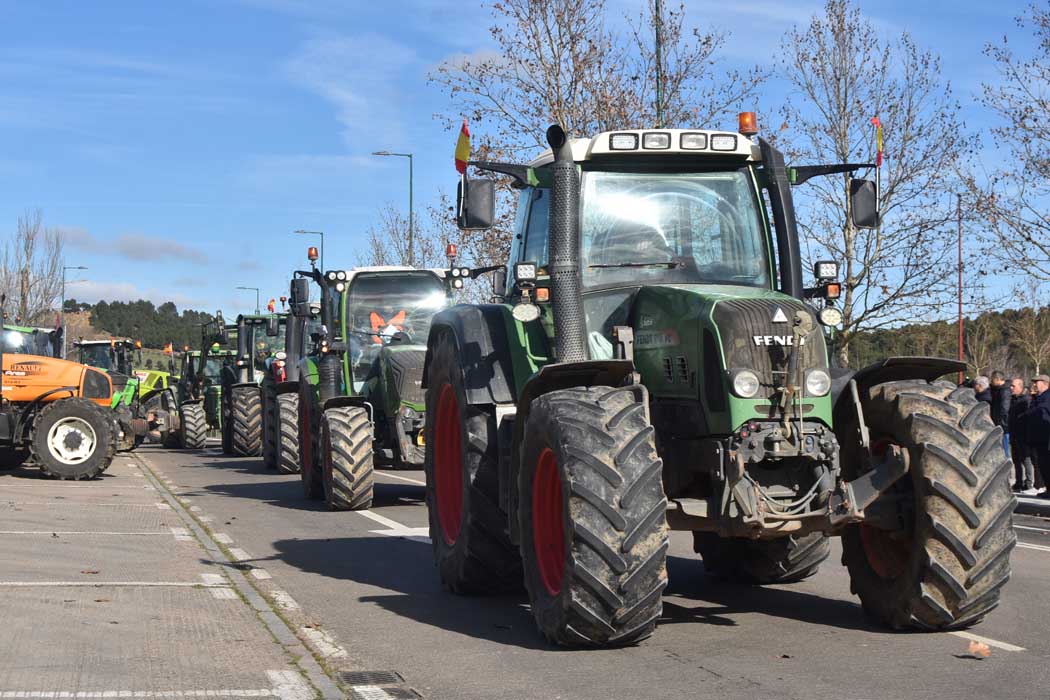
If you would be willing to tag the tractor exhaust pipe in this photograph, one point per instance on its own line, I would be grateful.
(564, 227)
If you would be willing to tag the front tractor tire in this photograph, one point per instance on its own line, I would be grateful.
(246, 421)
(469, 532)
(73, 439)
(287, 458)
(271, 435)
(946, 569)
(761, 562)
(592, 515)
(307, 429)
(346, 458)
(193, 427)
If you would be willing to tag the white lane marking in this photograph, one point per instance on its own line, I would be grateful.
(102, 584)
(261, 574)
(80, 532)
(141, 694)
(398, 476)
(990, 642)
(1034, 529)
(163, 506)
(222, 538)
(14, 486)
(204, 518)
(224, 593)
(323, 642)
(213, 580)
(370, 692)
(289, 685)
(196, 509)
(283, 600)
(81, 505)
(239, 554)
(181, 534)
(396, 529)
(1036, 547)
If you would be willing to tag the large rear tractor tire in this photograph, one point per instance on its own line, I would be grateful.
(782, 560)
(309, 447)
(346, 456)
(193, 427)
(288, 433)
(592, 514)
(946, 568)
(246, 421)
(270, 434)
(472, 547)
(73, 439)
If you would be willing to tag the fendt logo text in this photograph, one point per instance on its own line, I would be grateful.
(777, 340)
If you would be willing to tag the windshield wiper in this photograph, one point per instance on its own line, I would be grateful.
(669, 264)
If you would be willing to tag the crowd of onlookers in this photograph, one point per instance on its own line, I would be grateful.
(1023, 412)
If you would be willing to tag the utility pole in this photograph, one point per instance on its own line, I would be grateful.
(411, 217)
(659, 10)
(958, 217)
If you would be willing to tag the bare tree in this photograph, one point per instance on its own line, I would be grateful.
(388, 242)
(559, 61)
(1030, 329)
(1013, 199)
(31, 268)
(844, 74)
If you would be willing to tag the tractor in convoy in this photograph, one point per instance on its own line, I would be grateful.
(280, 383)
(656, 364)
(259, 339)
(54, 414)
(360, 394)
(116, 358)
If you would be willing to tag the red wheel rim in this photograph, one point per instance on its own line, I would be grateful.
(448, 465)
(548, 534)
(887, 555)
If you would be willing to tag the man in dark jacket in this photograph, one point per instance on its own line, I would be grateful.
(1000, 394)
(1020, 401)
(980, 388)
(1037, 428)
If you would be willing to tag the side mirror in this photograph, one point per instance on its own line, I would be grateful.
(499, 282)
(476, 206)
(864, 203)
(272, 328)
(300, 291)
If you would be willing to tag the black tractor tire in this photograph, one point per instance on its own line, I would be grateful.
(11, 457)
(946, 571)
(469, 532)
(193, 427)
(226, 421)
(170, 439)
(270, 428)
(246, 421)
(413, 460)
(79, 419)
(592, 516)
(346, 458)
(782, 560)
(309, 446)
(288, 433)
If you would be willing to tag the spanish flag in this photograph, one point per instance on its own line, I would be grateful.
(272, 305)
(878, 141)
(168, 350)
(463, 149)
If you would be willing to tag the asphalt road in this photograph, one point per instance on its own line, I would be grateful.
(365, 586)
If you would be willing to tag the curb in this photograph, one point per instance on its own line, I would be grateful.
(1026, 505)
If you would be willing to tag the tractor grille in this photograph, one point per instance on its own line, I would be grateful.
(740, 320)
(406, 373)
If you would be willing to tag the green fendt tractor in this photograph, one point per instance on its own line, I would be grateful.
(363, 392)
(198, 395)
(677, 378)
(259, 339)
(116, 358)
(280, 383)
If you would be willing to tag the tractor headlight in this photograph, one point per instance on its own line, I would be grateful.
(745, 383)
(818, 382)
(830, 316)
(723, 142)
(331, 276)
(340, 275)
(339, 287)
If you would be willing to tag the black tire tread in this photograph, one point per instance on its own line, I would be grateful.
(246, 421)
(761, 562)
(288, 437)
(349, 437)
(106, 434)
(193, 426)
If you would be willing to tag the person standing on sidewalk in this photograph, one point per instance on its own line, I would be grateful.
(1020, 401)
(1001, 407)
(980, 388)
(1037, 428)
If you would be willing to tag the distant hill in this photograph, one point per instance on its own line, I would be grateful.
(141, 320)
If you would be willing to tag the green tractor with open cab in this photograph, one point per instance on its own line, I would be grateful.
(259, 338)
(656, 363)
(117, 356)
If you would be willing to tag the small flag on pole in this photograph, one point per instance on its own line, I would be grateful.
(272, 305)
(878, 141)
(168, 350)
(463, 149)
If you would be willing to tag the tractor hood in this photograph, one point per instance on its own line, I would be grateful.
(689, 337)
(27, 377)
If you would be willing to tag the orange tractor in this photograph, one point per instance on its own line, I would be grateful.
(55, 414)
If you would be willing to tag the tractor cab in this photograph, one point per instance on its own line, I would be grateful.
(43, 342)
(116, 357)
(258, 340)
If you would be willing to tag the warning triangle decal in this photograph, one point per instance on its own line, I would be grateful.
(779, 316)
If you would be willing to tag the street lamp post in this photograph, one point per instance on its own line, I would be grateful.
(256, 297)
(62, 308)
(411, 219)
(315, 233)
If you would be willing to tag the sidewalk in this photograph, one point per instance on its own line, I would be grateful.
(107, 592)
(1032, 505)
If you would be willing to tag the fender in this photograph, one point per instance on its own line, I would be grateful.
(341, 401)
(484, 355)
(552, 377)
(289, 387)
(891, 369)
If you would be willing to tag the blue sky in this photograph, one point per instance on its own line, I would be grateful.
(179, 143)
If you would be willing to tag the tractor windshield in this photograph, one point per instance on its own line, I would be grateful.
(684, 228)
(385, 308)
(264, 347)
(213, 368)
(97, 355)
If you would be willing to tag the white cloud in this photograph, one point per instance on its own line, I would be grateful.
(134, 246)
(91, 291)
